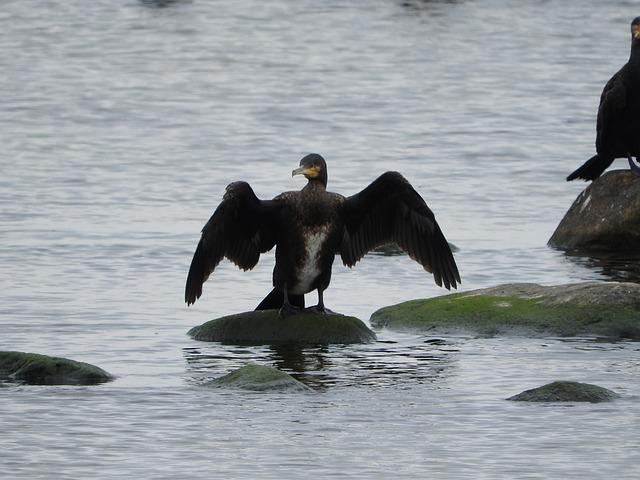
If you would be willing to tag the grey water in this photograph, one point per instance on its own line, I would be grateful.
(121, 123)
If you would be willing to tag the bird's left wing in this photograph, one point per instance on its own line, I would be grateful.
(391, 211)
(241, 228)
(612, 103)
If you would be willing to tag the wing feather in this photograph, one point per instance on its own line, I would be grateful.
(391, 211)
(240, 229)
(612, 102)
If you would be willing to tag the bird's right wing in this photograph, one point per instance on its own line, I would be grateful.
(241, 228)
(612, 101)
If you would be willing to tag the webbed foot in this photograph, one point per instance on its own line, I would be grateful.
(287, 309)
(321, 309)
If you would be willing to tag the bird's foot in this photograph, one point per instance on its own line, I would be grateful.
(633, 165)
(321, 309)
(287, 309)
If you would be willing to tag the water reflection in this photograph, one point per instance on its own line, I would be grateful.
(425, 4)
(295, 358)
(163, 3)
(617, 267)
(384, 363)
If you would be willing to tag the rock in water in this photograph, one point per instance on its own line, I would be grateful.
(266, 327)
(604, 217)
(260, 378)
(566, 392)
(38, 369)
(610, 309)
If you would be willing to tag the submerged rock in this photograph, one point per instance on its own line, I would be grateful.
(566, 392)
(610, 309)
(266, 327)
(260, 378)
(604, 217)
(38, 369)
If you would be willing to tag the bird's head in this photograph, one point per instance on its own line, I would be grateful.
(313, 167)
(635, 29)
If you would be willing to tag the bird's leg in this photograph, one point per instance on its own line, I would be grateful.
(320, 308)
(287, 308)
(634, 167)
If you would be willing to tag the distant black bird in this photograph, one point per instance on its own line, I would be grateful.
(309, 227)
(618, 124)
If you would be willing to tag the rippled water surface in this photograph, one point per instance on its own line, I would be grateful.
(122, 122)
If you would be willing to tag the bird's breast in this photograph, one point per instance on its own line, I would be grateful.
(309, 266)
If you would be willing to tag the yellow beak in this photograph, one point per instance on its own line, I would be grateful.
(309, 171)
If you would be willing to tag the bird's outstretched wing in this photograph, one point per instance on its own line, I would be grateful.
(241, 228)
(612, 102)
(391, 211)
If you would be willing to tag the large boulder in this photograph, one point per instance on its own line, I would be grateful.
(36, 369)
(266, 327)
(566, 392)
(260, 378)
(610, 309)
(604, 217)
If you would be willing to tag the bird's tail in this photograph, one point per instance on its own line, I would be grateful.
(592, 168)
(275, 299)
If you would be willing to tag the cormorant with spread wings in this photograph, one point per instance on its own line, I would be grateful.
(309, 227)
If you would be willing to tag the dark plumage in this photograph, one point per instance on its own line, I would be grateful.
(618, 124)
(309, 227)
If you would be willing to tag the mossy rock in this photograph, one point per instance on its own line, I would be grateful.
(566, 392)
(266, 327)
(260, 378)
(609, 309)
(36, 369)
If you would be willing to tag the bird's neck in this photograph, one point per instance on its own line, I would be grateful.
(316, 185)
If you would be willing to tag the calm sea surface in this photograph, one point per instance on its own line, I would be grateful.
(121, 123)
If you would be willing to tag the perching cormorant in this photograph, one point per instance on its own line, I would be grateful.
(618, 124)
(309, 227)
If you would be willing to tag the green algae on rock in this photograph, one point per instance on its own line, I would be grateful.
(610, 309)
(36, 369)
(266, 327)
(566, 392)
(260, 378)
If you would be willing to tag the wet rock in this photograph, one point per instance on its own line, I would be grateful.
(604, 217)
(260, 378)
(566, 392)
(609, 309)
(265, 327)
(36, 369)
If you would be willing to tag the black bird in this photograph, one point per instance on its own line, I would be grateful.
(618, 124)
(309, 227)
